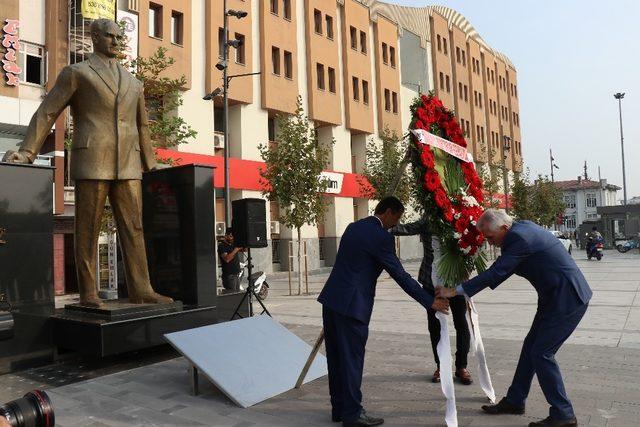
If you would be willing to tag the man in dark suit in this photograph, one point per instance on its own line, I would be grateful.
(563, 296)
(366, 248)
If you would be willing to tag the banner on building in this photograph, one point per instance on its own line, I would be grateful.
(11, 44)
(334, 182)
(130, 23)
(96, 9)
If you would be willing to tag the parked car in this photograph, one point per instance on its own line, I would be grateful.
(566, 242)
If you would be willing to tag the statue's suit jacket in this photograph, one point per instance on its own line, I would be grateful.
(111, 135)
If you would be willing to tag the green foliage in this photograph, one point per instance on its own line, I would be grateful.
(292, 170)
(163, 96)
(540, 201)
(384, 162)
(292, 173)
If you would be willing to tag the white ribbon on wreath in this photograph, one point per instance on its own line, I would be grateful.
(444, 350)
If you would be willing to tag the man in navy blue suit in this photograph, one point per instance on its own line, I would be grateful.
(534, 253)
(366, 248)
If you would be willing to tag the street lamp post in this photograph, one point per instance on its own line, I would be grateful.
(506, 146)
(619, 97)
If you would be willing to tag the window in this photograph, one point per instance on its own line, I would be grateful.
(288, 65)
(441, 81)
(458, 59)
(480, 99)
(591, 200)
(439, 43)
(332, 80)
(32, 63)
(385, 54)
(365, 92)
(363, 42)
(356, 88)
(394, 97)
(220, 43)
(466, 93)
(317, 21)
(275, 60)
(444, 45)
(570, 221)
(387, 100)
(592, 216)
(354, 38)
(475, 98)
(329, 21)
(274, 7)
(464, 58)
(176, 27)
(448, 84)
(460, 90)
(240, 52)
(286, 9)
(570, 200)
(155, 20)
(493, 77)
(320, 76)
(392, 56)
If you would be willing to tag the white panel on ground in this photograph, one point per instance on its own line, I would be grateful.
(249, 360)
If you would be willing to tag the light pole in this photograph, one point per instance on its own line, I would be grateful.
(223, 66)
(553, 165)
(619, 97)
(506, 146)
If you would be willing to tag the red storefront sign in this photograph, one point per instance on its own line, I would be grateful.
(11, 43)
(245, 174)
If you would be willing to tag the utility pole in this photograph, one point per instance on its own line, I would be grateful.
(506, 146)
(619, 97)
(552, 164)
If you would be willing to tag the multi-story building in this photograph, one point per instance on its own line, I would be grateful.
(356, 64)
(582, 197)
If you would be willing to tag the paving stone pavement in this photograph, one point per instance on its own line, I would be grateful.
(600, 364)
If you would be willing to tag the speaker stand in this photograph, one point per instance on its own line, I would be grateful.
(250, 293)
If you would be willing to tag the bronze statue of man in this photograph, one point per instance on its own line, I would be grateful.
(111, 148)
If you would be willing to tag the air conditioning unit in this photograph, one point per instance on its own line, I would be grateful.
(274, 226)
(220, 228)
(218, 140)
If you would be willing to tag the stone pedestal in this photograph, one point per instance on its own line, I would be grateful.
(26, 260)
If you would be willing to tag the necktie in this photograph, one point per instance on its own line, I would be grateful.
(114, 70)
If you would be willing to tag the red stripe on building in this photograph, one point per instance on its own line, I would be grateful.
(245, 174)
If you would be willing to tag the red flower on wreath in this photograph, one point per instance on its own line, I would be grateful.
(441, 199)
(427, 158)
(432, 182)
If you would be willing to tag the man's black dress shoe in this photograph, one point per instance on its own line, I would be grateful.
(503, 407)
(363, 420)
(552, 422)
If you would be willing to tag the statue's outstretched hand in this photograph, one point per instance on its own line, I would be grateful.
(15, 157)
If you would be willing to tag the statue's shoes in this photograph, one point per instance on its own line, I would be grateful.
(93, 302)
(153, 298)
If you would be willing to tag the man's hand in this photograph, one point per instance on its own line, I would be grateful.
(442, 292)
(15, 157)
(441, 305)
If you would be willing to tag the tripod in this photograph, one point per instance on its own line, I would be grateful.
(249, 293)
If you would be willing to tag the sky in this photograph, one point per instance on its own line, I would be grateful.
(571, 57)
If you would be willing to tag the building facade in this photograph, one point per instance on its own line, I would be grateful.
(583, 198)
(356, 65)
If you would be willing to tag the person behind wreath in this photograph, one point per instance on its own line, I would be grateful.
(457, 304)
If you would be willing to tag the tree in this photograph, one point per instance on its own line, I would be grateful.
(382, 165)
(292, 174)
(540, 201)
(163, 96)
(491, 177)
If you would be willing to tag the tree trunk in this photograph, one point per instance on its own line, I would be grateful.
(299, 264)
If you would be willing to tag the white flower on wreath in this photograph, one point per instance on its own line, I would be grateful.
(457, 235)
(466, 231)
(470, 201)
(457, 216)
(474, 223)
(466, 250)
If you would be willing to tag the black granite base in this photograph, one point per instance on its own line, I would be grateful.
(123, 309)
(104, 335)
